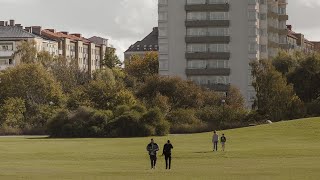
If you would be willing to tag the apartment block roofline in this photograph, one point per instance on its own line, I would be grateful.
(15, 32)
(51, 34)
(296, 35)
(149, 43)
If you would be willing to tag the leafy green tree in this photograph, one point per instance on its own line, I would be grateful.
(32, 83)
(105, 75)
(142, 67)
(12, 113)
(78, 98)
(275, 98)
(68, 74)
(284, 62)
(180, 94)
(46, 59)
(306, 78)
(111, 60)
(26, 52)
(107, 96)
(234, 98)
(185, 121)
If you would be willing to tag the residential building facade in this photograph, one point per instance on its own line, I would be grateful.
(212, 42)
(86, 53)
(147, 44)
(298, 42)
(11, 35)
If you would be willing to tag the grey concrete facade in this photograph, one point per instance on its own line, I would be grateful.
(212, 42)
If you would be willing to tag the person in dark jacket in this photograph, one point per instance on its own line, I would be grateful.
(167, 154)
(152, 148)
(223, 142)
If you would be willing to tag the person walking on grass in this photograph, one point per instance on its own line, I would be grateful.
(223, 141)
(167, 154)
(215, 140)
(152, 148)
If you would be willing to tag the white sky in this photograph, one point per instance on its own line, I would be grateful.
(125, 21)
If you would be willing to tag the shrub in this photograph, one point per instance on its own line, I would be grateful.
(84, 122)
(185, 121)
(155, 118)
(127, 125)
(12, 113)
(56, 124)
(120, 110)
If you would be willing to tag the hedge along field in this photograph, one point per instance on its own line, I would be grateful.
(285, 150)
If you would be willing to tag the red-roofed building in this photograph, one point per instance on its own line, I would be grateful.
(86, 52)
(297, 41)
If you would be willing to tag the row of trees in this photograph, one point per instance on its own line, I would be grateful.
(45, 94)
(287, 86)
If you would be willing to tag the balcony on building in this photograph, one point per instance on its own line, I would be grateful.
(283, 17)
(207, 39)
(222, 6)
(209, 71)
(206, 23)
(218, 87)
(281, 2)
(7, 53)
(208, 55)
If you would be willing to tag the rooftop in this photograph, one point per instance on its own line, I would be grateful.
(149, 43)
(14, 32)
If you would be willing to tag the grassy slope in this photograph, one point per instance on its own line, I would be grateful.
(288, 150)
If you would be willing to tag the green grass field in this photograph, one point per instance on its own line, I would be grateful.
(286, 150)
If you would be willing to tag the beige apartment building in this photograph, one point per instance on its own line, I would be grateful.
(298, 42)
(11, 35)
(87, 53)
(212, 42)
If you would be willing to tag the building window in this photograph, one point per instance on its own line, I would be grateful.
(263, 16)
(196, 48)
(218, 31)
(196, 1)
(163, 32)
(163, 48)
(210, 80)
(163, 2)
(207, 31)
(207, 48)
(252, 15)
(163, 16)
(197, 16)
(218, 1)
(219, 15)
(197, 31)
(263, 48)
(207, 64)
(163, 65)
(205, 1)
(282, 10)
(218, 47)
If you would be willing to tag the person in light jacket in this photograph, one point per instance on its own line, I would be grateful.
(152, 148)
(215, 140)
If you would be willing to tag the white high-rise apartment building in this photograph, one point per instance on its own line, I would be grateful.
(212, 42)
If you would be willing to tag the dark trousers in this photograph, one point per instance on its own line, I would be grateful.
(215, 146)
(153, 159)
(167, 158)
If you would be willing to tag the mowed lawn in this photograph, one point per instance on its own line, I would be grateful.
(286, 150)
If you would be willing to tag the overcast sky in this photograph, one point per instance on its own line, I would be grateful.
(125, 21)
